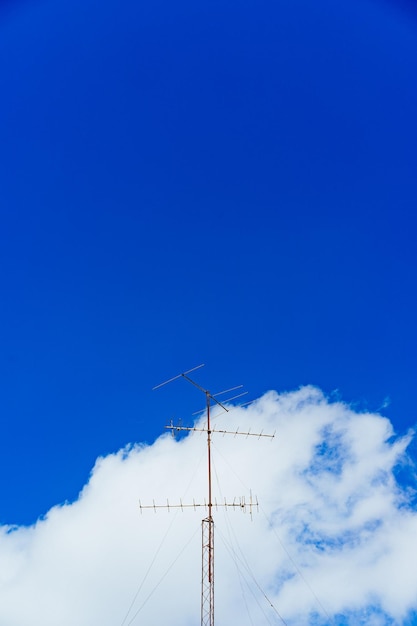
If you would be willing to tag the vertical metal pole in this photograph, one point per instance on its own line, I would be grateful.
(207, 529)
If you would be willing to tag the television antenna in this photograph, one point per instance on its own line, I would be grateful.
(207, 524)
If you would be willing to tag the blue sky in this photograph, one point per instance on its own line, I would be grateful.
(227, 183)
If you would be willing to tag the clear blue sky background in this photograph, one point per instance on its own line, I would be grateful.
(223, 182)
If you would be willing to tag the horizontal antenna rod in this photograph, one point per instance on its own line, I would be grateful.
(215, 430)
(179, 376)
(190, 380)
(219, 393)
(241, 504)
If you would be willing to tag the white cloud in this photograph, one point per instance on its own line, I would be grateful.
(334, 538)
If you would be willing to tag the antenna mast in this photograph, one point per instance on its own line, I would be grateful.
(207, 533)
(207, 524)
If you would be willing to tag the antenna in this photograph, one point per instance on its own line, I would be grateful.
(207, 566)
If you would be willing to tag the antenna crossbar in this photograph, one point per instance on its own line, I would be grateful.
(248, 433)
(241, 504)
(179, 376)
(220, 393)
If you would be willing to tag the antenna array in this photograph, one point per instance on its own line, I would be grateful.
(207, 575)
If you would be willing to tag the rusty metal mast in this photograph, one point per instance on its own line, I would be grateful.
(207, 533)
(207, 524)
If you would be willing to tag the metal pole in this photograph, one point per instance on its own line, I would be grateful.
(207, 529)
(209, 454)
